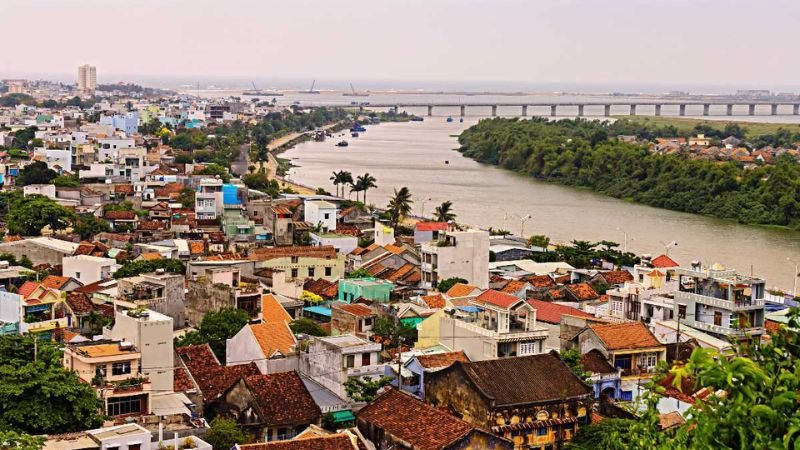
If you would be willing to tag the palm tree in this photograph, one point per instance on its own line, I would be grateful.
(347, 178)
(336, 178)
(444, 212)
(356, 187)
(365, 183)
(400, 205)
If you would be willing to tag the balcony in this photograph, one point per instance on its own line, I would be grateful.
(725, 331)
(745, 305)
(43, 325)
(371, 370)
(513, 335)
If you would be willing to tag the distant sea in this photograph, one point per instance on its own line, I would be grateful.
(333, 84)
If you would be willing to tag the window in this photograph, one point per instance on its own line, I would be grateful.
(294, 273)
(121, 368)
(682, 311)
(368, 322)
(327, 216)
(349, 361)
(328, 271)
(77, 275)
(284, 434)
(527, 348)
(365, 357)
(310, 271)
(100, 371)
(295, 259)
(124, 405)
(134, 446)
(718, 318)
(541, 431)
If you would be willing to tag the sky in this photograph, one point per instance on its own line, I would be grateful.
(744, 44)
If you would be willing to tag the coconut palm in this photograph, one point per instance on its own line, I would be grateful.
(444, 212)
(347, 178)
(364, 183)
(400, 205)
(336, 178)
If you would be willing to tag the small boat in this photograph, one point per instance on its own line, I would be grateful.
(447, 162)
(354, 134)
(342, 144)
(461, 120)
(449, 119)
(416, 119)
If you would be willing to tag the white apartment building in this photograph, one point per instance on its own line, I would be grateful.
(87, 78)
(151, 333)
(460, 254)
(318, 212)
(331, 361)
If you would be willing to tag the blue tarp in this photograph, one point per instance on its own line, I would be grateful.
(470, 309)
(230, 195)
(321, 310)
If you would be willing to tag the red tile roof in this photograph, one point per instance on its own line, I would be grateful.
(441, 360)
(79, 303)
(181, 381)
(332, 442)
(431, 226)
(623, 336)
(550, 312)
(274, 338)
(496, 298)
(212, 378)
(582, 291)
(355, 309)
(422, 426)
(540, 281)
(322, 251)
(434, 301)
(617, 276)
(322, 287)
(55, 282)
(27, 288)
(461, 290)
(120, 215)
(663, 262)
(514, 286)
(283, 399)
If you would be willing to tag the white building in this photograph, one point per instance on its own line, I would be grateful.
(151, 333)
(331, 361)
(87, 79)
(343, 243)
(208, 201)
(48, 190)
(130, 436)
(88, 269)
(319, 212)
(458, 254)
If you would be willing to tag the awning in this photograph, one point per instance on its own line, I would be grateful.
(343, 416)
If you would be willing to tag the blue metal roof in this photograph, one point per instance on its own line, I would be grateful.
(321, 310)
(230, 194)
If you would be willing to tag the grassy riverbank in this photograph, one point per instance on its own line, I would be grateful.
(687, 125)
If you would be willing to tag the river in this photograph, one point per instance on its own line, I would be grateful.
(415, 155)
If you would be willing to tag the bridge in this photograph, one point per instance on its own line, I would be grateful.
(773, 107)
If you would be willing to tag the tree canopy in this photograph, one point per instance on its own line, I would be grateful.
(36, 173)
(215, 328)
(225, 433)
(39, 396)
(580, 153)
(28, 215)
(133, 268)
(446, 284)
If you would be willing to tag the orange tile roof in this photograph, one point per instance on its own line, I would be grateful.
(151, 256)
(272, 311)
(496, 298)
(623, 336)
(322, 251)
(274, 338)
(27, 288)
(441, 360)
(540, 281)
(617, 276)
(356, 309)
(401, 272)
(550, 312)
(434, 301)
(582, 291)
(393, 249)
(514, 286)
(663, 262)
(197, 247)
(461, 290)
(55, 282)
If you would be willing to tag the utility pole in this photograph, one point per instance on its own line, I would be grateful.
(678, 336)
(35, 347)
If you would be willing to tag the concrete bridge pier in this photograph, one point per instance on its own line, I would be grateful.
(580, 110)
(553, 109)
(463, 110)
(430, 110)
(607, 110)
(751, 110)
(494, 110)
(774, 110)
(796, 110)
(658, 110)
(633, 110)
(524, 110)
(729, 110)
(681, 110)
(706, 109)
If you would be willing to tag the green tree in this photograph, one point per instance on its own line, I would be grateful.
(66, 181)
(444, 212)
(133, 268)
(214, 169)
(393, 333)
(539, 240)
(88, 225)
(307, 326)
(215, 328)
(24, 138)
(399, 205)
(186, 197)
(365, 389)
(446, 284)
(39, 396)
(363, 183)
(12, 440)
(359, 273)
(225, 433)
(573, 359)
(28, 215)
(36, 173)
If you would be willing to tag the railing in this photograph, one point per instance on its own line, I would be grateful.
(718, 302)
(737, 332)
(511, 335)
(44, 325)
(374, 369)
